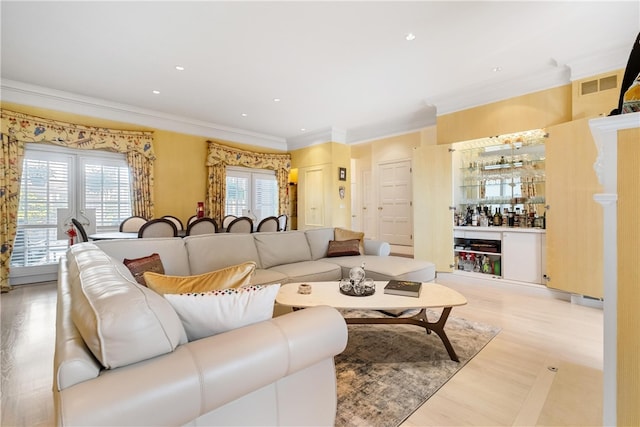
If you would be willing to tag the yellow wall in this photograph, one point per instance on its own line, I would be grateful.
(330, 156)
(180, 173)
(628, 375)
(312, 156)
(595, 104)
(531, 111)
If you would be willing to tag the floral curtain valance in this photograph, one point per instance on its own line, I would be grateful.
(27, 128)
(235, 157)
(19, 128)
(220, 156)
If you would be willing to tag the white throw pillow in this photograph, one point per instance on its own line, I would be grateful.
(210, 313)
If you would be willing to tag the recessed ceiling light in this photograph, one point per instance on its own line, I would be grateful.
(276, 99)
(179, 68)
(244, 114)
(496, 69)
(410, 36)
(156, 92)
(302, 129)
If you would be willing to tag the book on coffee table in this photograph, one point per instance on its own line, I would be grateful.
(403, 287)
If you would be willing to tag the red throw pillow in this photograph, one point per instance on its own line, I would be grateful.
(343, 248)
(138, 266)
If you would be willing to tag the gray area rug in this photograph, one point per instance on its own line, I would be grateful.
(388, 371)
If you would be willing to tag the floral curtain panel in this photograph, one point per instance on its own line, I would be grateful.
(220, 156)
(18, 129)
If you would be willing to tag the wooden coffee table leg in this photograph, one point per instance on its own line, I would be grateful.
(438, 328)
(419, 319)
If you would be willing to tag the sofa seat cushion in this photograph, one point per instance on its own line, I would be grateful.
(310, 271)
(388, 267)
(209, 252)
(120, 321)
(279, 248)
(268, 277)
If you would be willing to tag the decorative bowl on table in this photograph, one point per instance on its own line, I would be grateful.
(362, 288)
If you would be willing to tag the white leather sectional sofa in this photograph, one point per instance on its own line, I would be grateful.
(122, 357)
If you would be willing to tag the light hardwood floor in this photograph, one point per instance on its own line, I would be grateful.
(508, 383)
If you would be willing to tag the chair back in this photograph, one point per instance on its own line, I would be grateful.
(227, 220)
(132, 224)
(242, 224)
(158, 228)
(202, 226)
(175, 220)
(191, 219)
(282, 222)
(82, 234)
(270, 223)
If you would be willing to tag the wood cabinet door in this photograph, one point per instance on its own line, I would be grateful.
(432, 196)
(574, 219)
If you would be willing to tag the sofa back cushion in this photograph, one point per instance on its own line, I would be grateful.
(209, 252)
(120, 321)
(172, 252)
(318, 239)
(283, 247)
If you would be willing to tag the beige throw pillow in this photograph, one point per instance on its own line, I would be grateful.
(341, 234)
(230, 277)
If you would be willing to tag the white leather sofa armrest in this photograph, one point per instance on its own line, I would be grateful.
(201, 376)
(376, 247)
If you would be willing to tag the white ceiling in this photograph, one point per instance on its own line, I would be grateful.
(340, 68)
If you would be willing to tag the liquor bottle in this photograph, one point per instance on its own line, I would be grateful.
(497, 219)
(474, 218)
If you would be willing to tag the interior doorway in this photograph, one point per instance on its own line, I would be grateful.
(395, 207)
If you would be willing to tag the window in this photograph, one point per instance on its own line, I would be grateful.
(58, 178)
(251, 192)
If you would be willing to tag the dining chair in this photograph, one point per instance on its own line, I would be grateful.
(227, 220)
(242, 224)
(82, 233)
(132, 224)
(282, 222)
(159, 227)
(270, 223)
(191, 219)
(202, 226)
(175, 220)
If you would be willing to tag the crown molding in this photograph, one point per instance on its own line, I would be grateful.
(400, 125)
(601, 62)
(38, 96)
(320, 136)
(482, 94)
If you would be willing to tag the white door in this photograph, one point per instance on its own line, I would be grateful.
(356, 198)
(368, 207)
(314, 198)
(58, 184)
(395, 206)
